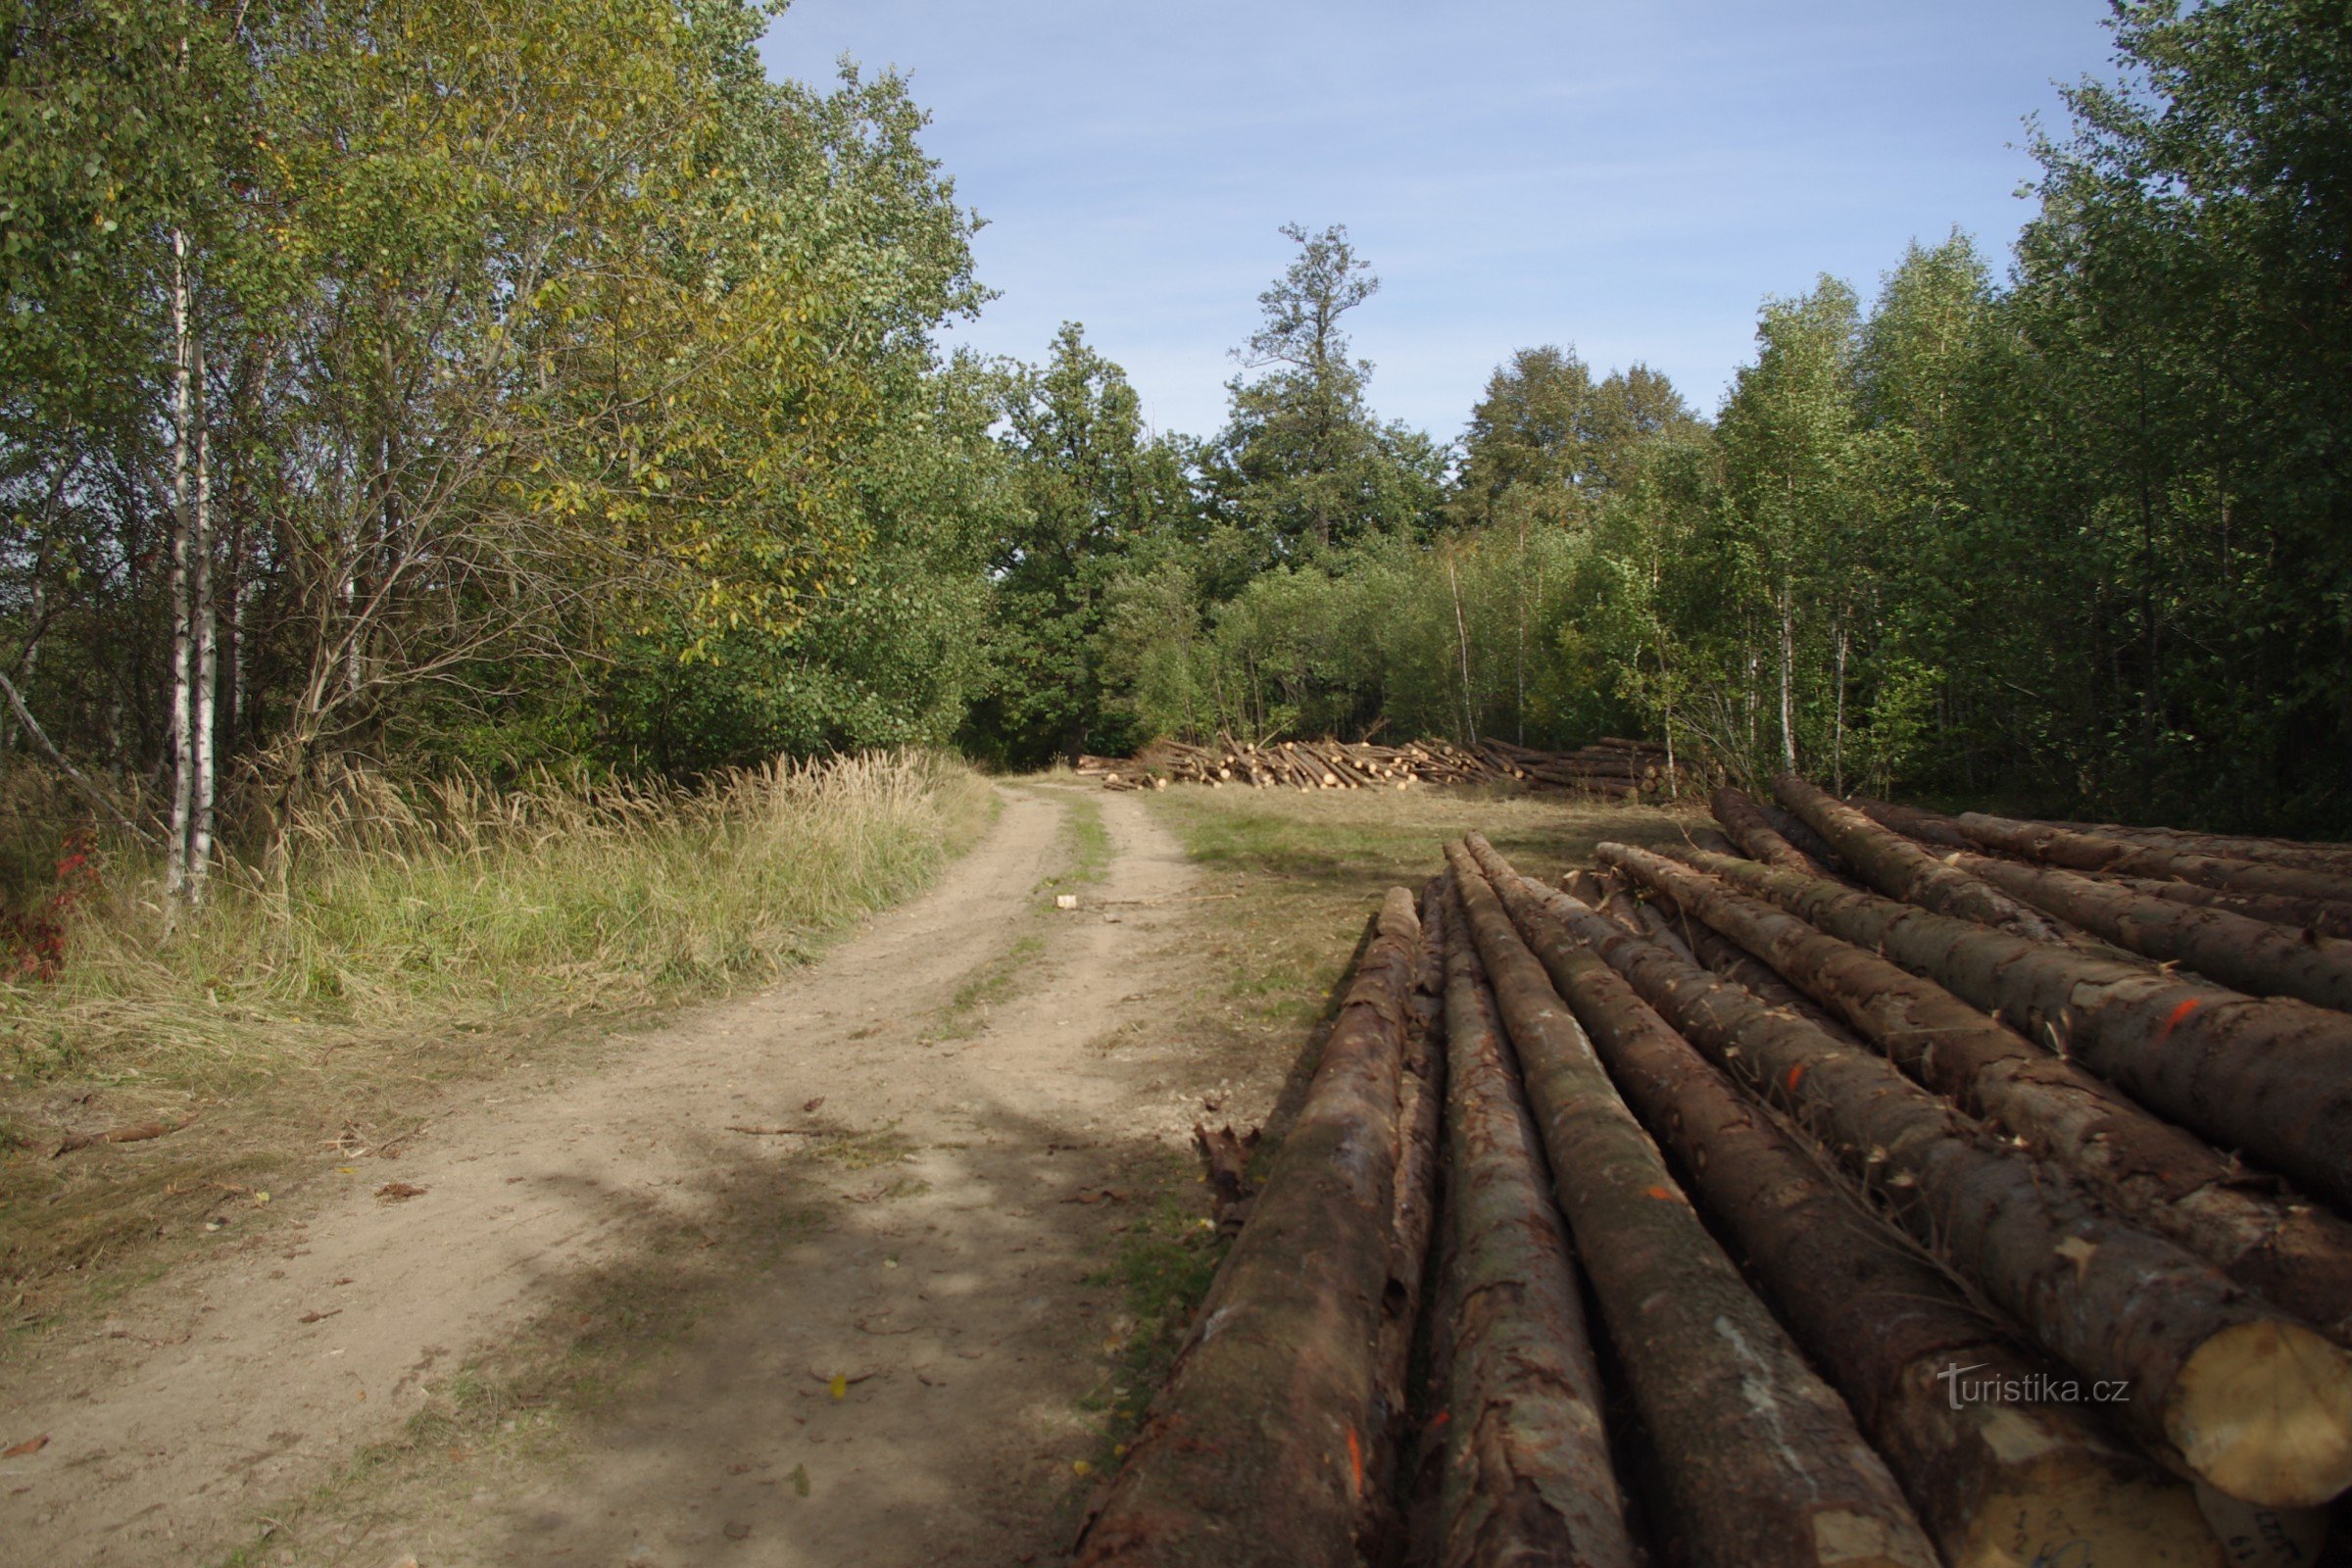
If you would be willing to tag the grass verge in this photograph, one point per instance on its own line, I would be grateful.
(409, 940)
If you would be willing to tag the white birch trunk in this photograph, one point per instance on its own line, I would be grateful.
(207, 653)
(183, 519)
(1787, 694)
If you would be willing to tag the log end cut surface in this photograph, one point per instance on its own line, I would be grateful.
(2058, 1498)
(2263, 1410)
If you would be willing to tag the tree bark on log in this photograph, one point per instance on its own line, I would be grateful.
(1528, 1479)
(1759, 839)
(1420, 1108)
(1798, 831)
(1928, 827)
(2320, 916)
(2084, 851)
(2166, 1179)
(2251, 955)
(2316, 857)
(1254, 1452)
(1994, 1482)
(1903, 871)
(2272, 1077)
(1761, 1461)
(1710, 949)
(2244, 1398)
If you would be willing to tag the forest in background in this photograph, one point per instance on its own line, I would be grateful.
(485, 388)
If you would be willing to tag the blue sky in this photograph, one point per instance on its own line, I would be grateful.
(1631, 178)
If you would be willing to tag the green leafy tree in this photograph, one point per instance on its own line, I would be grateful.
(1303, 464)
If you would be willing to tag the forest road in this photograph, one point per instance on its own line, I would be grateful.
(875, 1345)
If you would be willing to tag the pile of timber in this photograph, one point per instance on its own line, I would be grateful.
(1612, 765)
(1855, 1185)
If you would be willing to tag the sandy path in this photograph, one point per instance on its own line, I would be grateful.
(935, 1261)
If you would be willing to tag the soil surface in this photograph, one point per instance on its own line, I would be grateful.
(841, 1232)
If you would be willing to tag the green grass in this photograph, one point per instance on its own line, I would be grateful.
(1087, 842)
(407, 940)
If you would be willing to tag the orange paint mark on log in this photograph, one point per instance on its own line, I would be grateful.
(2173, 1022)
(1797, 1075)
(1665, 1194)
(1355, 1460)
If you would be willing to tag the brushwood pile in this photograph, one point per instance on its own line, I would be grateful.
(1841, 1183)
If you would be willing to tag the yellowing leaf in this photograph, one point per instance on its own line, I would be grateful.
(839, 1387)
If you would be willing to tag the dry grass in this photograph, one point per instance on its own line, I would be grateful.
(1307, 868)
(406, 939)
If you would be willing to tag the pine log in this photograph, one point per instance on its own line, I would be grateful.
(2084, 851)
(2242, 1396)
(2250, 955)
(1709, 949)
(1757, 837)
(1761, 1462)
(1798, 831)
(1904, 870)
(1254, 1451)
(2317, 855)
(2320, 916)
(1527, 1473)
(2160, 1176)
(1420, 1106)
(1928, 827)
(1994, 1482)
(1652, 923)
(2270, 1076)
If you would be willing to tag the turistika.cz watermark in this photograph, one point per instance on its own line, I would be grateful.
(2036, 1388)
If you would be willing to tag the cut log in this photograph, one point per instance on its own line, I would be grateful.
(2269, 1076)
(1928, 827)
(2084, 851)
(1883, 1323)
(1705, 948)
(1420, 1107)
(1762, 1463)
(1254, 1454)
(2198, 1357)
(2320, 916)
(2319, 856)
(2149, 1169)
(1798, 831)
(1527, 1473)
(1904, 870)
(2250, 955)
(1756, 837)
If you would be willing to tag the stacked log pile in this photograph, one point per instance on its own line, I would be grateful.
(1876, 1187)
(1612, 766)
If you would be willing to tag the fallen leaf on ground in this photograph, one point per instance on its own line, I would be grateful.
(736, 1530)
(29, 1445)
(811, 1104)
(397, 1192)
(316, 1317)
(800, 1481)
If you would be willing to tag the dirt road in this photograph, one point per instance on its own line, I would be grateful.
(867, 1339)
